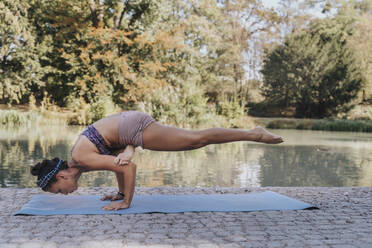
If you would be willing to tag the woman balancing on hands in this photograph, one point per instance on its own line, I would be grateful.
(109, 144)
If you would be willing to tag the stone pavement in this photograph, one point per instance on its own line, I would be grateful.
(344, 220)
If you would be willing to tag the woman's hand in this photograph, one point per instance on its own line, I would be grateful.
(112, 197)
(116, 206)
(126, 156)
(123, 158)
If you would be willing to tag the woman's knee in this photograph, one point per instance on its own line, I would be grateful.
(132, 165)
(129, 167)
(197, 140)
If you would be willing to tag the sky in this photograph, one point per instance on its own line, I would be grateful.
(270, 3)
(275, 3)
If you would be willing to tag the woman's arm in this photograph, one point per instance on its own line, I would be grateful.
(120, 176)
(93, 161)
(129, 177)
(117, 196)
(123, 156)
(120, 179)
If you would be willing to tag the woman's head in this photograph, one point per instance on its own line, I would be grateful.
(55, 176)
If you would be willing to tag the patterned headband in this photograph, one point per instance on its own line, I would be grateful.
(42, 182)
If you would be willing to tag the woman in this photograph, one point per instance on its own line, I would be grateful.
(109, 144)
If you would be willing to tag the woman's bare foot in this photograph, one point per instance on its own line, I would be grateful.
(265, 136)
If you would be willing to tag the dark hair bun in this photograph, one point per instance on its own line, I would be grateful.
(43, 168)
(35, 170)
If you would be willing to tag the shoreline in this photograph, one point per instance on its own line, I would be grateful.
(14, 117)
(344, 219)
(24, 117)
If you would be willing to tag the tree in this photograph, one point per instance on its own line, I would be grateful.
(361, 42)
(135, 53)
(101, 48)
(314, 70)
(239, 26)
(19, 55)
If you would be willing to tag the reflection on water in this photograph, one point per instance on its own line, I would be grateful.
(307, 158)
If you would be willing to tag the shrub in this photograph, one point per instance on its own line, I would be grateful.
(19, 118)
(324, 125)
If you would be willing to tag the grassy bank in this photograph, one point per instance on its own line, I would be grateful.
(28, 118)
(324, 125)
(24, 117)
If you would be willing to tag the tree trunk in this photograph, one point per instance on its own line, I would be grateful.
(101, 8)
(97, 12)
(93, 11)
(119, 15)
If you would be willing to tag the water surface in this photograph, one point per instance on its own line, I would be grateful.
(306, 158)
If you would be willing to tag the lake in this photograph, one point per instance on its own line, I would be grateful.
(306, 158)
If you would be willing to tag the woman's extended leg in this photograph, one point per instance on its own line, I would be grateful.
(164, 138)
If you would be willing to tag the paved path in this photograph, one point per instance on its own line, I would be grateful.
(344, 220)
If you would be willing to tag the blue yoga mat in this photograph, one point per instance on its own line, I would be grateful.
(91, 204)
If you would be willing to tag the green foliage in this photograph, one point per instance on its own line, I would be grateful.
(183, 61)
(343, 125)
(128, 50)
(125, 60)
(99, 109)
(324, 125)
(283, 124)
(314, 70)
(361, 43)
(230, 109)
(184, 106)
(17, 118)
(19, 63)
(85, 114)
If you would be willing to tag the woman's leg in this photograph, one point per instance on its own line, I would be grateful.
(164, 138)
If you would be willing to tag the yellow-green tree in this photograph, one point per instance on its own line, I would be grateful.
(361, 41)
(19, 56)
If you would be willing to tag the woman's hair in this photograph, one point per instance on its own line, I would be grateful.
(46, 166)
